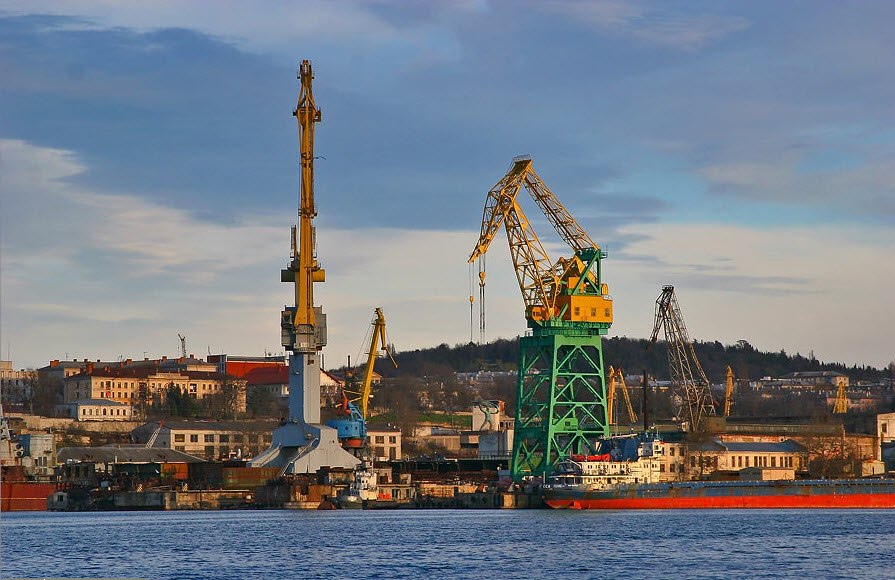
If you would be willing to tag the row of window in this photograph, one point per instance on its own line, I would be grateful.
(221, 438)
(392, 439)
(89, 412)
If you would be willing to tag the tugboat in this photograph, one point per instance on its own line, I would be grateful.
(363, 489)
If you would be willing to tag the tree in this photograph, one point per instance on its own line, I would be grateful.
(227, 402)
(46, 393)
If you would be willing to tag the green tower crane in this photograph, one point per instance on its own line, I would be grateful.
(561, 406)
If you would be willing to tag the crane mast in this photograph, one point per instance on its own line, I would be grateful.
(687, 376)
(561, 407)
(301, 332)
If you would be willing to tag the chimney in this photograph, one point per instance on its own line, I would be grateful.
(128, 362)
(54, 363)
(164, 358)
(89, 367)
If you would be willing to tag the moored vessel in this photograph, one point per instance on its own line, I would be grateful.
(612, 482)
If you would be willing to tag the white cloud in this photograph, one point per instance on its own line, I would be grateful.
(653, 25)
(825, 289)
(114, 275)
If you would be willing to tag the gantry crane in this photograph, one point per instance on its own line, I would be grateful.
(617, 382)
(728, 392)
(352, 423)
(561, 408)
(687, 377)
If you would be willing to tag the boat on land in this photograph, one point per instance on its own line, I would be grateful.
(608, 481)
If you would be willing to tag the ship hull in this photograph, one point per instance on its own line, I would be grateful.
(731, 495)
(16, 496)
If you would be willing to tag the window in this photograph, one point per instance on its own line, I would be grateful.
(179, 448)
(209, 438)
(194, 438)
(670, 467)
(773, 461)
(393, 439)
(179, 438)
(238, 438)
(380, 439)
(224, 438)
(671, 451)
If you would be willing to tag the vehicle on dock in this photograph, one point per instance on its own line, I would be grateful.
(614, 482)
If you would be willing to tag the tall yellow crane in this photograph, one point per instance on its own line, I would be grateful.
(617, 382)
(561, 408)
(728, 393)
(301, 333)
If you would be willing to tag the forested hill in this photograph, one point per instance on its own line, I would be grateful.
(632, 355)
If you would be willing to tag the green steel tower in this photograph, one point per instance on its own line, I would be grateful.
(561, 407)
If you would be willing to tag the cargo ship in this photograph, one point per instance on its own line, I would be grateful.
(18, 490)
(609, 482)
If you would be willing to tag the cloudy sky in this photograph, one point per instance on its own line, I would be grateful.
(742, 151)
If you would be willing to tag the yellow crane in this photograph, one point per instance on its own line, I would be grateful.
(840, 407)
(301, 334)
(567, 290)
(352, 425)
(561, 403)
(617, 381)
(728, 393)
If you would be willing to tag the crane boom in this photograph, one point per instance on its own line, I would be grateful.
(569, 289)
(378, 341)
(687, 375)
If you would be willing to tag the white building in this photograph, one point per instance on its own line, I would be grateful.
(97, 410)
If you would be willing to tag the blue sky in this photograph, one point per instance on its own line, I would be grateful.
(742, 151)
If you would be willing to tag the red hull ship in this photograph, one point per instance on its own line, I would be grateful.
(843, 493)
(631, 480)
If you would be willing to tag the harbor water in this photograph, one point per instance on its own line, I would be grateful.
(451, 544)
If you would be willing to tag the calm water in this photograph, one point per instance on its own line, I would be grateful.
(451, 544)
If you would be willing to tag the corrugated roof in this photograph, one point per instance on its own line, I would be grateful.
(125, 454)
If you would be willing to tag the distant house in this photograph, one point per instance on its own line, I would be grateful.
(384, 441)
(810, 378)
(96, 410)
(207, 439)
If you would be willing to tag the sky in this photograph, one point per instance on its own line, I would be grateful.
(743, 152)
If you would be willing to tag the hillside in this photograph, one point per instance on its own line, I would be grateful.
(632, 355)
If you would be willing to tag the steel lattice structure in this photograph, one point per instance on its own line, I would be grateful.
(687, 376)
(562, 402)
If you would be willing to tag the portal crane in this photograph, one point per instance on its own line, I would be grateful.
(561, 406)
(840, 406)
(352, 423)
(617, 382)
(687, 377)
(728, 392)
(302, 444)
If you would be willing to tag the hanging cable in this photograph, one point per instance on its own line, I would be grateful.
(471, 300)
(482, 299)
